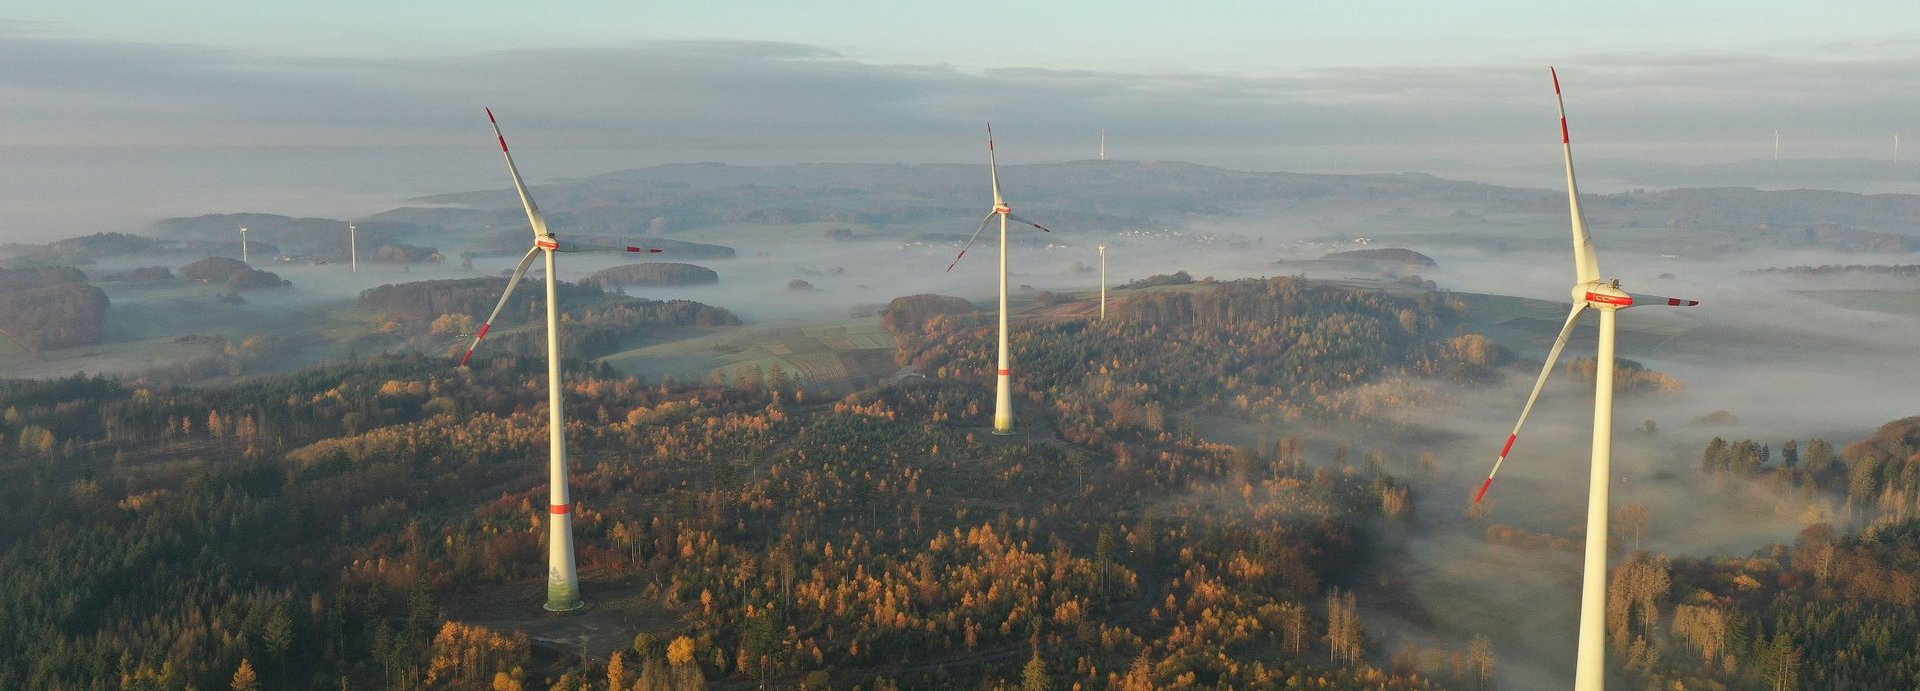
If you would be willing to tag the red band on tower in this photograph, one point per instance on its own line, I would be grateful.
(1006, 373)
(559, 509)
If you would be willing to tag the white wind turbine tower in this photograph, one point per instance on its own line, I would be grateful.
(1590, 292)
(1896, 147)
(353, 246)
(1103, 280)
(1776, 144)
(563, 583)
(1003, 396)
(1103, 143)
(243, 246)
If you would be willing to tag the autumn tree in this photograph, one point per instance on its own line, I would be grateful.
(244, 679)
(1034, 676)
(1632, 519)
(617, 672)
(1480, 661)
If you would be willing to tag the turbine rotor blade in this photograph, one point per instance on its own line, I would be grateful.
(993, 168)
(584, 247)
(976, 236)
(1031, 223)
(518, 271)
(1553, 355)
(1639, 300)
(534, 218)
(1585, 263)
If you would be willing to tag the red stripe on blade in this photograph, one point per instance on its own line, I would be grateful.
(1483, 490)
(1509, 446)
(483, 331)
(1564, 139)
(1556, 78)
(465, 358)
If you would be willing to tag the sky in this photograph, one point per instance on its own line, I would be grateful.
(1369, 85)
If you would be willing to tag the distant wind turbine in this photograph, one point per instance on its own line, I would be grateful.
(1589, 292)
(1896, 147)
(1103, 143)
(1003, 396)
(563, 582)
(353, 246)
(243, 246)
(1103, 280)
(1776, 144)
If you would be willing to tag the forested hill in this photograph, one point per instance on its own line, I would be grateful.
(1152, 195)
(357, 525)
(1263, 348)
(47, 308)
(1109, 193)
(1835, 609)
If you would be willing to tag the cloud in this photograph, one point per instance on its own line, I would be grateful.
(722, 95)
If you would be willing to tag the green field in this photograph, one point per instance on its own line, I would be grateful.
(833, 356)
(1898, 302)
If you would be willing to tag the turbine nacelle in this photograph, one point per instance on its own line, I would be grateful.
(1609, 296)
(1606, 296)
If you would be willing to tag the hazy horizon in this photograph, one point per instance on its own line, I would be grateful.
(131, 115)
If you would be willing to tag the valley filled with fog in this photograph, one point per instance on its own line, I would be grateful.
(809, 256)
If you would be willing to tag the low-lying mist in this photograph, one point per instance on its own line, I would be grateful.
(1787, 355)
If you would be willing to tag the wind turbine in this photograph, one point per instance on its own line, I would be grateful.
(353, 246)
(1103, 280)
(243, 246)
(1590, 292)
(1103, 143)
(1003, 396)
(563, 582)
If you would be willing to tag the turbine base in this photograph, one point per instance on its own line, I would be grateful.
(563, 597)
(1003, 426)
